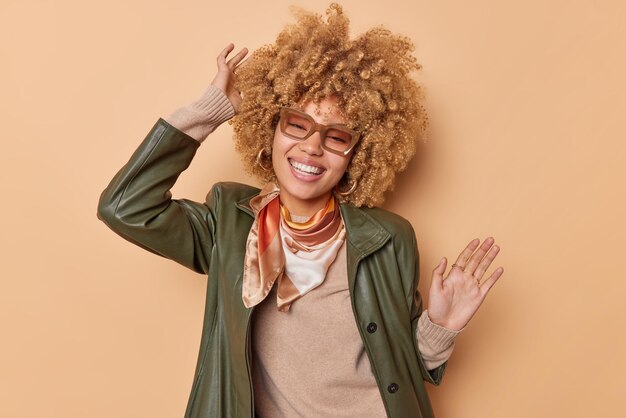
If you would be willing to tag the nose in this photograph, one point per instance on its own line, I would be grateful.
(312, 145)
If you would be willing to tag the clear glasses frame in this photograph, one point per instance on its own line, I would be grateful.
(317, 127)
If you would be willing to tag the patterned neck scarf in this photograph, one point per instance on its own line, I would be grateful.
(296, 255)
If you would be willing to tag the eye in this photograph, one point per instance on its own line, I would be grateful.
(337, 139)
(297, 126)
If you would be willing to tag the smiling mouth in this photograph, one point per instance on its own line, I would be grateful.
(306, 170)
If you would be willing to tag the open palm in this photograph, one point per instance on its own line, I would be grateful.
(454, 300)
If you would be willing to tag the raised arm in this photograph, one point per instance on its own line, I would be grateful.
(137, 204)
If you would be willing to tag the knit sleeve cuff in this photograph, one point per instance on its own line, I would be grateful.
(439, 338)
(201, 117)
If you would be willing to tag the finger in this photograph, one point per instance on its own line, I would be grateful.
(487, 284)
(237, 58)
(466, 253)
(486, 262)
(478, 255)
(437, 281)
(236, 69)
(221, 58)
(244, 61)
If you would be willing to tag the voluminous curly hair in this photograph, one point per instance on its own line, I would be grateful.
(371, 77)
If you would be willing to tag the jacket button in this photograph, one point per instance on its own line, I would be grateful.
(393, 388)
(371, 327)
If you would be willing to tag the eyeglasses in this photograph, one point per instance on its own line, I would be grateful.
(298, 125)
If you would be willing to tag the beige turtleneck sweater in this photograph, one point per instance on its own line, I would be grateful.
(310, 359)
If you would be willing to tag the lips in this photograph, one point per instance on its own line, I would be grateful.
(306, 169)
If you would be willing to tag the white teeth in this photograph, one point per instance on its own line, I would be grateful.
(306, 169)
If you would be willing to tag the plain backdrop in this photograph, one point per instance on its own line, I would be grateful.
(527, 101)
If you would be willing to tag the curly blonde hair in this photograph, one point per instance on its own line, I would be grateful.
(369, 75)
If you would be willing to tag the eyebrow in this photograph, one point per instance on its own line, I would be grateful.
(302, 110)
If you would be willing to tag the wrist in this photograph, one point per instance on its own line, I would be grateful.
(214, 106)
(448, 325)
(201, 117)
(438, 335)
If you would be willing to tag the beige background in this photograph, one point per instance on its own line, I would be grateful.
(527, 99)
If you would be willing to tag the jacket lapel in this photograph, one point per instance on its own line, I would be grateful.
(364, 233)
(244, 204)
(364, 236)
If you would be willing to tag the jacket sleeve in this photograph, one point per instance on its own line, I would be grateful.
(137, 204)
(435, 375)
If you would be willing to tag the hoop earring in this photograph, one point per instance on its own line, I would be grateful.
(259, 161)
(347, 192)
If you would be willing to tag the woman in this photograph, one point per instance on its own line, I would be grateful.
(338, 327)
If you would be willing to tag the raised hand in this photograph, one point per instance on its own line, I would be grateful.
(454, 300)
(225, 77)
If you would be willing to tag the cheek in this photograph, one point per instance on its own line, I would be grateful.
(343, 163)
(340, 165)
(276, 148)
(280, 147)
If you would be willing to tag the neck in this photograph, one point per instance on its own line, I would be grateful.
(308, 208)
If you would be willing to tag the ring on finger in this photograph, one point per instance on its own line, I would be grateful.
(456, 265)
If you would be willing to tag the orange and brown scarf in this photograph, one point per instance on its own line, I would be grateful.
(296, 255)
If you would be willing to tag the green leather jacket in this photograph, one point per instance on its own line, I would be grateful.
(210, 238)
